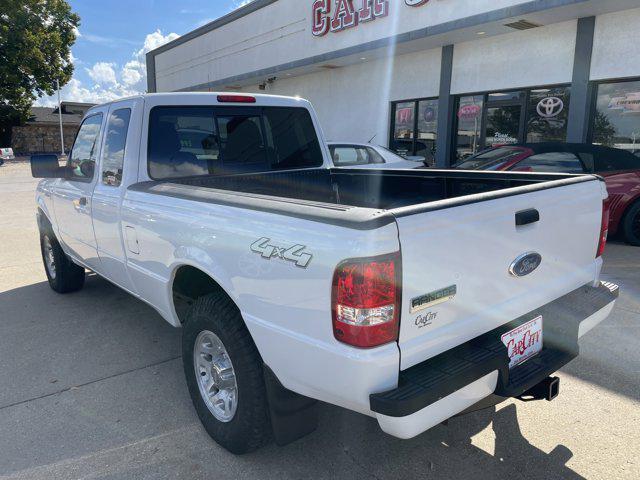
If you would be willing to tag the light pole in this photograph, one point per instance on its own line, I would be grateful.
(60, 119)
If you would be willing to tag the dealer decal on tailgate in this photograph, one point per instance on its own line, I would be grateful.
(524, 342)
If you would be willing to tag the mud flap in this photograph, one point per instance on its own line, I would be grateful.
(293, 416)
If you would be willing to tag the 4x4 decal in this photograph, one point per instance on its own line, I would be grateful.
(293, 254)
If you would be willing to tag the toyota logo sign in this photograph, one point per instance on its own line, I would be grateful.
(550, 107)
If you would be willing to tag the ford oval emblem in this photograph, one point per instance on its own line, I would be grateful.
(525, 264)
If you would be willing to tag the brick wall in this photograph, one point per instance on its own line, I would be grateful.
(41, 138)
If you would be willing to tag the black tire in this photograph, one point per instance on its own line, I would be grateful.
(631, 225)
(250, 428)
(66, 276)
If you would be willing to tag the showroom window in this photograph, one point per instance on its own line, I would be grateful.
(505, 118)
(414, 128)
(469, 113)
(548, 115)
(616, 121)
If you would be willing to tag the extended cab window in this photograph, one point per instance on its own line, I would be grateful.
(83, 156)
(113, 155)
(196, 141)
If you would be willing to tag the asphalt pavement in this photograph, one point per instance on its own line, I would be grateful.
(91, 386)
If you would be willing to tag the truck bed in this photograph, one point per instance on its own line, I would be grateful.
(338, 191)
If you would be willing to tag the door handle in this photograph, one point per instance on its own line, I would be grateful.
(80, 203)
(527, 217)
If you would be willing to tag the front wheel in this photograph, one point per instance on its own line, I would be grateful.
(63, 275)
(224, 374)
(631, 225)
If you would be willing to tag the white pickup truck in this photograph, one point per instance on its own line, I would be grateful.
(410, 296)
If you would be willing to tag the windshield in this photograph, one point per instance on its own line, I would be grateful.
(490, 159)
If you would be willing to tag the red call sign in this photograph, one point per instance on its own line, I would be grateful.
(345, 15)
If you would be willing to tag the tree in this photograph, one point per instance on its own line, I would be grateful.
(35, 51)
(604, 131)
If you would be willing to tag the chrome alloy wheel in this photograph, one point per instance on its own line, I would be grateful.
(215, 375)
(49, 259)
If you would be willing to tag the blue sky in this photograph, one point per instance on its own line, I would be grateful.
(114, 35)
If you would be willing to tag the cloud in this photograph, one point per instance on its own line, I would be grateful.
(155, 40)
(103, 73)
(75, 60)
(132, 72)
(110, 80)
(106, 41)
(191, 11)
(241, 3)
(76, 91)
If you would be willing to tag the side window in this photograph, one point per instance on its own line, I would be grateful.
(343, 156)
(375, 157)
(552, 162)
(113, 155)
(82, 160)
(587, 160)
(346, 156)
(612, 159)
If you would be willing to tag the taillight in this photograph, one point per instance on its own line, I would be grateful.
(604, 228)
(236, 99)
(366, 301)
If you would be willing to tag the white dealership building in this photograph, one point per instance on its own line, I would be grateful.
(428, 77)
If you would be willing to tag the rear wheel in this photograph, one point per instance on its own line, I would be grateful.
(631, 225)
(224, 374)
(63, 275)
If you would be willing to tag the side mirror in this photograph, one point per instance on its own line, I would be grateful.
(88, 168)
(46, 166)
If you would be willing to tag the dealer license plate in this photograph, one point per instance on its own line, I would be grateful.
(524, 342)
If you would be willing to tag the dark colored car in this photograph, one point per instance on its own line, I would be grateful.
(620, 169)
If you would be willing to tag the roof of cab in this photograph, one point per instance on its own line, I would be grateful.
(211, 98)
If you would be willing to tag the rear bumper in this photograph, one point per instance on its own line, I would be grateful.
(450, 383)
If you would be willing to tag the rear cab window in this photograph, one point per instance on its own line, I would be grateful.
(201, 141)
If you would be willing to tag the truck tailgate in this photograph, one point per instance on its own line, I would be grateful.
(456, 261)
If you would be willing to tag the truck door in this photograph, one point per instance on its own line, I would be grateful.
(119, 150)
(72, 197)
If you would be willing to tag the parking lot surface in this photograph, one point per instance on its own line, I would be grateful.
(91, 386)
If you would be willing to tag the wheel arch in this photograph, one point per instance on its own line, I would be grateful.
(190, 282)
(623, 218)
(43, 219)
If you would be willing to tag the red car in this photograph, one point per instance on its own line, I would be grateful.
(620, 169)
